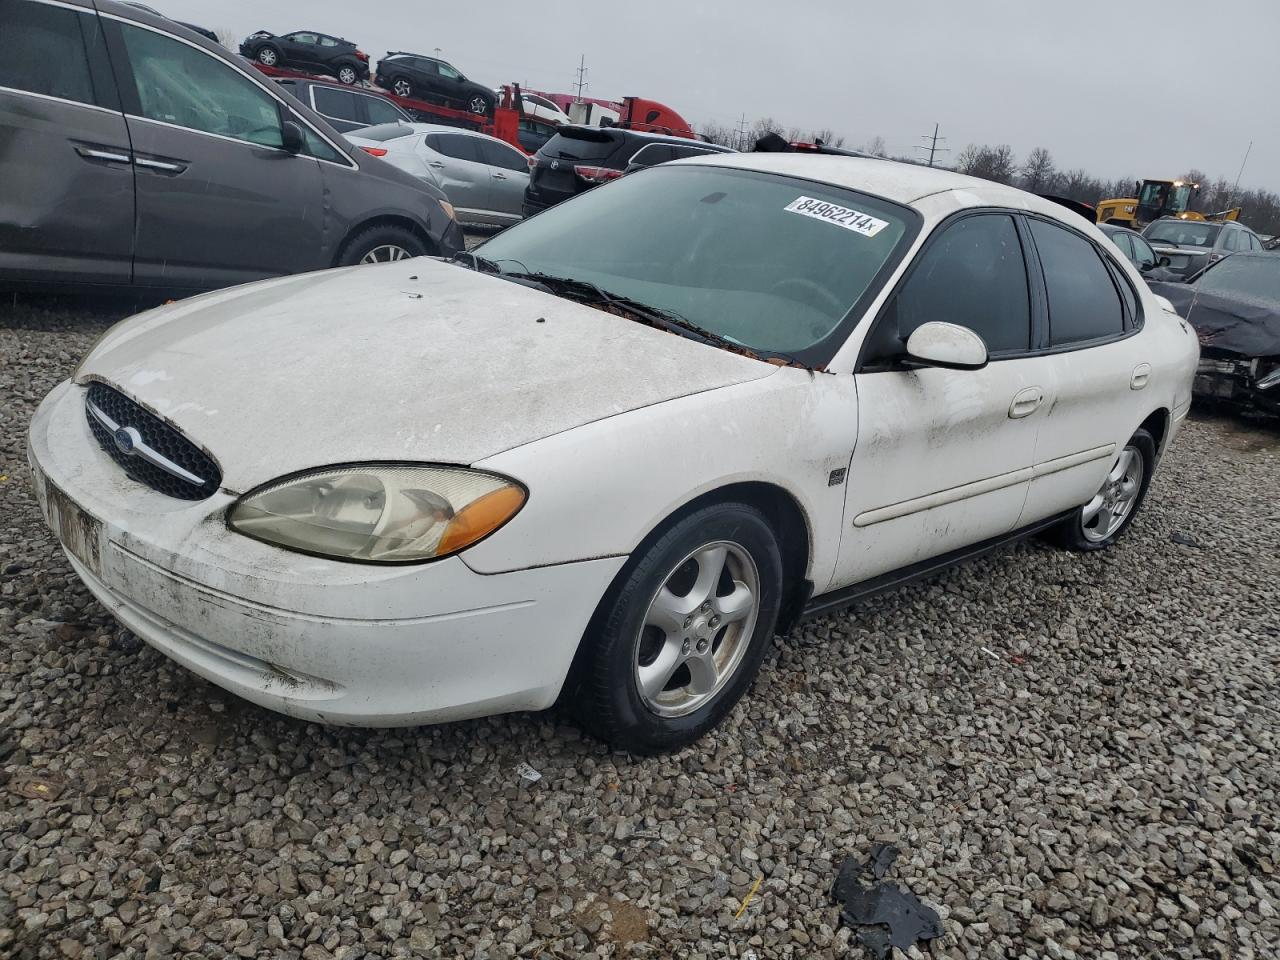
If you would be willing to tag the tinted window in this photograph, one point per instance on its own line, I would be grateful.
(653, 154)
(973, 274)
(678, 153)
(336, 103)
(580, 143)
(454, 145)
(499, 155)
(302, 38)
(42, 50)
(180, 84)
(382, 111)
(1083, 301)
(448, 72)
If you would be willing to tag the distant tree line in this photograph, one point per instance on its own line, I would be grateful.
(1037, 173)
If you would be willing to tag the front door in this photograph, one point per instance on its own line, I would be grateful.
(943, 457)
(66, 174)
(219, 201)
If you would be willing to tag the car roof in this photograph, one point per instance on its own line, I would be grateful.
(903, 183)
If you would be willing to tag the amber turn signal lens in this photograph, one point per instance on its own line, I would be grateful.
(480, 518)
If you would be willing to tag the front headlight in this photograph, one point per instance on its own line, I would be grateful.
(379, 512)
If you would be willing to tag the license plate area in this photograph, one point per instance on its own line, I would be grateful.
(74, 528)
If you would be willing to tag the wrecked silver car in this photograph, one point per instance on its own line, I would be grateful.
(1234, 306)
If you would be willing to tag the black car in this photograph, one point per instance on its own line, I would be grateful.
(345, 109)
(428, 78)
(1135, 247)
(579, 158)
(1234, 306)
(1191, 245)
(203, 31)
(309, 51)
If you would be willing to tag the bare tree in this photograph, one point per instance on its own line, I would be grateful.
(875, 147)
(719, 133)
(1037, 171)
(227, 38)
(990, 163)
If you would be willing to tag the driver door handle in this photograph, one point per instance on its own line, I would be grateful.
(1025, 402)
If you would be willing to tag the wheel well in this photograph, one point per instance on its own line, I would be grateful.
(786, 519)
(1158, 426)
(386, 221)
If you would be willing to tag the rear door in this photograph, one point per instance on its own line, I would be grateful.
(341, 108)
(66, 174)
(464, 176)
(302, 50)
(508, 177)
(219, 201)
(1100, 369)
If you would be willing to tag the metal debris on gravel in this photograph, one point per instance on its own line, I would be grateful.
(1105, 787)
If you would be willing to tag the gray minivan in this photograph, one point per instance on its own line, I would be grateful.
(134, 152)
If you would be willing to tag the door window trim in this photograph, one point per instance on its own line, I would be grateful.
(63, 100)
(1034, 294)
(282, 105)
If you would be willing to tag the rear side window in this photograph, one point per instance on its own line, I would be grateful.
(336, 103)
(1083, 301)
(455, 145)
(43, 50)
(498, 155)
(975, 275)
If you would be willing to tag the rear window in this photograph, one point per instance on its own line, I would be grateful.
(383, 132)
(581, 144)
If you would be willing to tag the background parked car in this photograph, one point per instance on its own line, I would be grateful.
(428, 78)
(1234, 305)
(203, 31)
(483, 177)
(578, 158)
(540, 108)
(1140, 253)
(533, 133)
(1191, 245)
(194, 172)
(345, 108)
(308, 50)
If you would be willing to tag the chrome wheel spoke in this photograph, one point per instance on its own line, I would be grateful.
(704, 673)
(736, 605)
(1092, 507)
(1122, 465)
(655, 676)
(710, 567)
(669, 612)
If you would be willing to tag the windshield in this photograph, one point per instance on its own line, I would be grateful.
(1184, 233)
(1165, 197)
(769, 262)
(1246, 278)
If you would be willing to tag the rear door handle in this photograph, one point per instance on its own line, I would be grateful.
(1141, 376)
(437, 164)
(105, 154)
(1025, 403)
(160, 166)
(499, 176)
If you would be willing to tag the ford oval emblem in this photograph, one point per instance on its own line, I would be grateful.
(124, 440)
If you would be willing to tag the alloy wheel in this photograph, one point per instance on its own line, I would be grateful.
(347, 75)
(402, 88)
(1106, 513)
(479, 105)
(267, 56)
(697, 629)
(386, 253)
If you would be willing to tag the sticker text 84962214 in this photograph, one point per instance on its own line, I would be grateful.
(833, 213)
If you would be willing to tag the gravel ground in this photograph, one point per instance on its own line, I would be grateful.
(1076, 754)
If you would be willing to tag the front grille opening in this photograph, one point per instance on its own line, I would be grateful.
(156, 435)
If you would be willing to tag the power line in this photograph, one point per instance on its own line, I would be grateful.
(931, 144)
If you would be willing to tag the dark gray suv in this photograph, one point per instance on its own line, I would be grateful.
(1191, 245)
(134, 153)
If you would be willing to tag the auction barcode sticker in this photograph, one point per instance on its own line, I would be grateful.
(854, 220)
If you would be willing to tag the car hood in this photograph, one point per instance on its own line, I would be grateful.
(418, 360)
(1247, 327)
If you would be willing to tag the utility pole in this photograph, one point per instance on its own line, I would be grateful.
(437, 53)
(931, 144)
(742, 133)
(581, 83)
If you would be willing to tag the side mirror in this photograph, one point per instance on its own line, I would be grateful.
(949, 345)
(291, 137)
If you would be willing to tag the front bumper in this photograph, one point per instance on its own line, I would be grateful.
(313, 638)
(1235, 379)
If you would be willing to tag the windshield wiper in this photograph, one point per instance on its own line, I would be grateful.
(476, 262)
(659, 317)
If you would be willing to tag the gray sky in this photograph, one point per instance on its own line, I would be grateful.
(1119, 87)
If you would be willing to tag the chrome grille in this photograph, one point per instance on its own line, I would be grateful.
(148, 449)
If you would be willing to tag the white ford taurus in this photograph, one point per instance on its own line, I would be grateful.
(608, 456)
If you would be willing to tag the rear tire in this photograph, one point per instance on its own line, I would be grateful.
(381, 244)
(656, 676)
(480, 105)
(268, 56)
(347, 75)
(1100, 523)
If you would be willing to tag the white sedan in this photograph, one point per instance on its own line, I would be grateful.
(605, 457)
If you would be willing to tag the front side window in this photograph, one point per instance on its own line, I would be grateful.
(771, 262)
(381, 111)
(182, 85)
(1143, 255)
(43, 50)
(335, 103)
(1122, 241)
(1083, 301)
(973, 274)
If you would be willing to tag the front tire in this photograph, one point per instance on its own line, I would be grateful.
(1100, 522)
(479, 105)
(347, 75)
(381, 244)
(269, 56)
(682, 634)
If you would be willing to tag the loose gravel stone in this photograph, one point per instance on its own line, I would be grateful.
(1105, 786)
